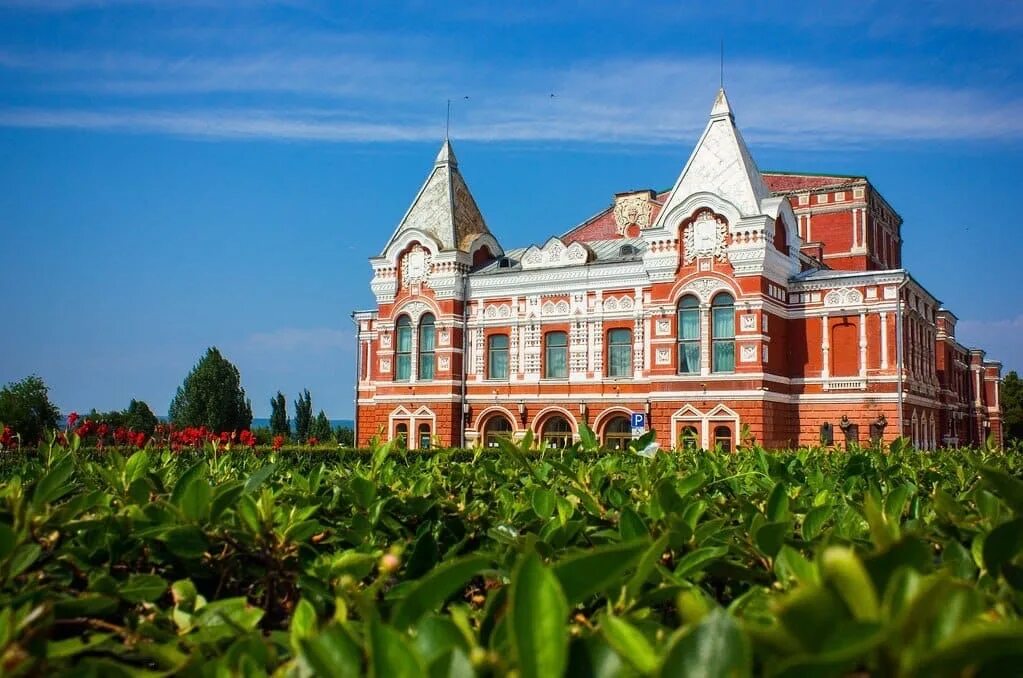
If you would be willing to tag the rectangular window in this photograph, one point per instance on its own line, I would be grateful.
(403, 362)
(619, 353)
(689, 341)
(724, 339)
(497, 356)
(555, 355)
(426, 339)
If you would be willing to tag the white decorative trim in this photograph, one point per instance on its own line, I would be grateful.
(416, 267)
(662, 327)
(554, 254)
(748, 323)
(843, 297)
(705, 237)
(632, 209)
(748, 353)
(663, 356)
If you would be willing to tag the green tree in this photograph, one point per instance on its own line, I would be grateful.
(344, 436)
(320, 428)
(1011, 397)
(212, 396)
(279, 423)
(303, 415)
(139, 417)
(25, 406)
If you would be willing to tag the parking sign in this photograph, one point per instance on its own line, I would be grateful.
(638, 424)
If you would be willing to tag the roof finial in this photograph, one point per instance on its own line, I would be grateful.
(721, 78)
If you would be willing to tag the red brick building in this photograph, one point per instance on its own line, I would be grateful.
(739, 303)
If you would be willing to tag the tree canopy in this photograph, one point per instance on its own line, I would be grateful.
(25, 406)
(1012, 406)
(280, 425)
(212, 396)
(303, 415)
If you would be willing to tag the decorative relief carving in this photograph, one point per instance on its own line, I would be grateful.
(415, 267)
(550, 308)
(443, 337)
(385, 340)
(662, 327)
(663, 356)
(443, 362)
(502, 311)
(748, 353)
(632, 209)
(385, 365)
(705, 237)
(612, 304)
(748, 323)
(554, 253)
(414, 309)
(843, 297)
(704, 287)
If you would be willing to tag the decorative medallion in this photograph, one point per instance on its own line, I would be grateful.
(385, 365)
(748, 353)
(663, 356)
(748, 323)
(663, 327)
(632, 209)
(705, 237)
(415, 267)
(843, 297)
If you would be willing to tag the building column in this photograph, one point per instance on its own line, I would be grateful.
(705, 339)
(863, 344)
(825, 346)
(854, 228)
(884, 340)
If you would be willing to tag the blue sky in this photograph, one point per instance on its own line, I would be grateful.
(185, 173)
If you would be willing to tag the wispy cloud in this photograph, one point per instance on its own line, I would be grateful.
(365, 94)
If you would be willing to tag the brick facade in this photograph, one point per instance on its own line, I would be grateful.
(737, 306)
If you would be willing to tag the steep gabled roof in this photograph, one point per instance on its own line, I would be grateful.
(721, 165)
(444, 207)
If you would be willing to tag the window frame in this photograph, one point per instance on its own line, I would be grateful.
(547, 354)
(688, 304)
(625, 435)
(426, 358)
(726, 445)
(490, 356)
(490, 433)
(422, 430)
(401, 433)
(724, 341)
(565, 438)
(403, 323)
(627, 346)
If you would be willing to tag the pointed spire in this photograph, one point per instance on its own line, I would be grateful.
(721, 106)
(444, 208)
(446, 155)
(720, 165)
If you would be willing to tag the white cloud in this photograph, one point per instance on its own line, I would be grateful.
(359, 93)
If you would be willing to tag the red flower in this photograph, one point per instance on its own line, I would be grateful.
(61, 439)
(102, 430)
(312, 440)
(278, 442)
(7, 437)
(140, 439)
(72, 419)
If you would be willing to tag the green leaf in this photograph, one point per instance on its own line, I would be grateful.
(196, 470)
(814, 521)
(1005, 486)
(185, 541)
(629, 643)
(544, 502)
(390, 655)
(895, 502)
(143, 588)
(791, 564)
(438, 585)
(778, 504)
(22, 558)
(195, 499)
(590, 572)
(537, 612)
(716, 647)
(770, 537)
(631, 525)
(843, 570)
(259, 477)
(136, 466)
(1002, 544)
(302, 624)
(54, 484)
(332, 652)
(972, 648)
(695, 561)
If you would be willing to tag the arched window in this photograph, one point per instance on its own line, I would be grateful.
(619, 353)
(618, 433)
(497, 426)
(690, 439)
(557, 432)
(426, 337)
(688, 335)
(722, 311)
(424, 436)
(403, 355)
(555, 364)
(723, 438)
(401, 434)
(497, 356)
